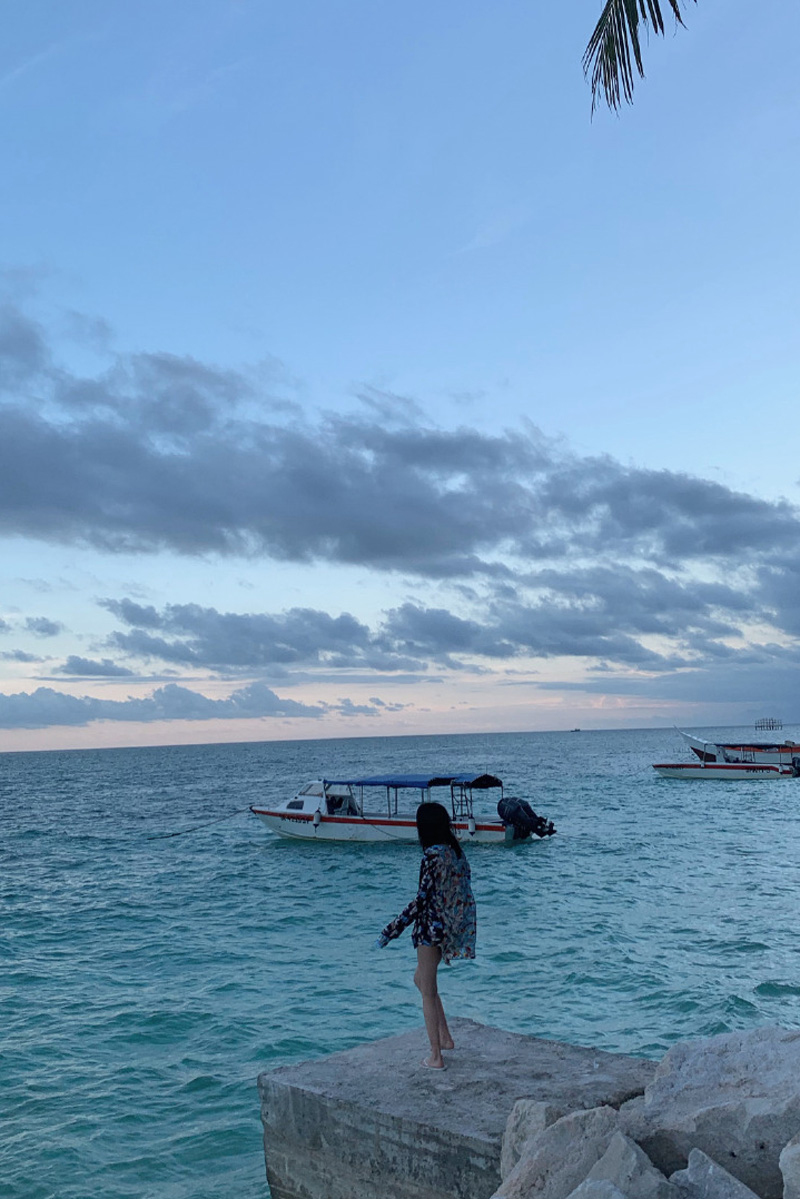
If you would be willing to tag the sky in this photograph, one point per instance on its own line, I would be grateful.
(356, 381)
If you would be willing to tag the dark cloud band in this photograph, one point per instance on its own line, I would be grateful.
(166, 452)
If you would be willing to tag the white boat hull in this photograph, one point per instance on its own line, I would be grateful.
(723, 770)
(304, 826)
(750, 752)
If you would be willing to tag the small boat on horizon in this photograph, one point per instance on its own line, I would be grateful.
(347, 810)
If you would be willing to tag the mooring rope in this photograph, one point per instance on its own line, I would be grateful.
(206, 824)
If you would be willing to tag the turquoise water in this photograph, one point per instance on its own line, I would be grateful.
(144, 983)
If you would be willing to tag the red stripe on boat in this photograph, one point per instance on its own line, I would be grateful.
(361, 820)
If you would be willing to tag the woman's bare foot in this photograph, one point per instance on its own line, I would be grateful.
(447, 1043)
(433, 1063)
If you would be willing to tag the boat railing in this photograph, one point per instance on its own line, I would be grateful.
(461, 802)
(461, 789)
(462, 794)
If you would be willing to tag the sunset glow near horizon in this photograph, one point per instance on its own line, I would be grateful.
(354, 382)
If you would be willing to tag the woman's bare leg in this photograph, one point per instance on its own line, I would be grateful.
(428, 957)
(445, 1036)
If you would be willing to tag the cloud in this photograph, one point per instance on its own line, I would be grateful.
(761, 682)
(779, 590)
(24, 353)
(604, 612)
(624, 617)
(45, 707)
(42, 626)
(191, 635)
(379, 703)
(346, 707)
(390, 407)
(437, 632)
(166, 452)
(88, 668)
(534, 551)
(33, 61)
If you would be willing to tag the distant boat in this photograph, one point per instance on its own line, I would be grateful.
(725, 770)
(782, 753)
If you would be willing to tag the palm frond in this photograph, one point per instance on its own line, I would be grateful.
(614, 51)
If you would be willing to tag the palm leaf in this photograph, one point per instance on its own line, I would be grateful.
(615, 49)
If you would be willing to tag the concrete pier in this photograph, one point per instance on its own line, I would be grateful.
(373, 1123)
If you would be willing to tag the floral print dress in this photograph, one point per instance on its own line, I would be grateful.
(443, 911)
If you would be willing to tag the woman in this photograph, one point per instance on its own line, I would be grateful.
(443, 914)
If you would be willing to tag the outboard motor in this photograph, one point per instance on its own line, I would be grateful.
(519, 814)
(796, 767)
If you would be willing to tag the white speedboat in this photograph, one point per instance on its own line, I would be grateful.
(776, 752)
(382, 808)
(725, 770)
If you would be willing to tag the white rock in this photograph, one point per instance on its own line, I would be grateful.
(630, 1170)
(736, 1097)
(706, 1179)
(528, 1118)
(789, 1161)
(558, 1158)
(599, 1188)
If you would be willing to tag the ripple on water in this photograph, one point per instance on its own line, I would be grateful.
(778, 990)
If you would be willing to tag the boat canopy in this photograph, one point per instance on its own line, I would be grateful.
(480, 782)
(421, 782)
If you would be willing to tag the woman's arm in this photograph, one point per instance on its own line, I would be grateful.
(412, 910)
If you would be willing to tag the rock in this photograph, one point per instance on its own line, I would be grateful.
(559, 1158)
(789, 1162)
(736, 1097)
(597, 1189)
(372, 1123)
(706, 1179)
(528, 1117)
(630, 1170)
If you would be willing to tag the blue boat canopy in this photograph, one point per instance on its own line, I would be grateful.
(422, 781)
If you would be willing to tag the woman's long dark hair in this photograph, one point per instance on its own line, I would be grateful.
(434, 827)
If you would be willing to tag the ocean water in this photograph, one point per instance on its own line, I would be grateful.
(145, 983)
